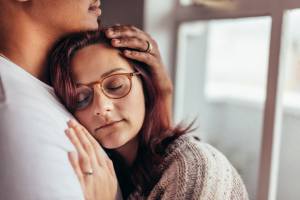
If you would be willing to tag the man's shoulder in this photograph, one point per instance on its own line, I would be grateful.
(2, 92)
(24, 98)
(18, 87)
(5, 74)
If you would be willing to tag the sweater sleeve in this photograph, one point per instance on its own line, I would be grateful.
(195, 170)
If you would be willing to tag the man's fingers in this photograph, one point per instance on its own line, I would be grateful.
(141, 56)
(132, 43)
(125, 31)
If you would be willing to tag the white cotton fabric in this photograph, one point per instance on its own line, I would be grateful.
(33, 146)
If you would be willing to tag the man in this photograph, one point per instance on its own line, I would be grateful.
(33, 147)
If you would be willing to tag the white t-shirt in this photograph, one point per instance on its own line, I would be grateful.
(33, 146)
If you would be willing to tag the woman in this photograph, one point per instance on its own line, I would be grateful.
(121, 104)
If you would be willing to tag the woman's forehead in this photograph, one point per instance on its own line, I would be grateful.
(95, 60)
(101, 55)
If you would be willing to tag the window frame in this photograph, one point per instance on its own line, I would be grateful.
(273, 109)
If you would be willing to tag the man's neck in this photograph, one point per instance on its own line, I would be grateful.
(27, 45)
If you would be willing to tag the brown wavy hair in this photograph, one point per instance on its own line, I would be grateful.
(156, 132)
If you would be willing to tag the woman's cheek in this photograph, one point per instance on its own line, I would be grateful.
(84, 118)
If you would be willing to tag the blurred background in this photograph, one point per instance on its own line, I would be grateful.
(221, 54)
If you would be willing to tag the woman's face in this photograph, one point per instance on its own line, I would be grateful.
(113, 122)
(66, 16)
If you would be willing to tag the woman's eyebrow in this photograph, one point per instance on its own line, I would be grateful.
(112, 71)
(104, 74)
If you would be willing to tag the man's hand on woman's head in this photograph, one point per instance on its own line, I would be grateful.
(141, 47)
(92, 166)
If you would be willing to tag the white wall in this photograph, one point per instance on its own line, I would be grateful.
(159, 21)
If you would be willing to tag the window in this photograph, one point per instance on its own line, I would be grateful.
(238, 72)
(289, 165)
(237, 58)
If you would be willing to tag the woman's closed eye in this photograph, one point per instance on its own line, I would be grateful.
(84, 98)
(114, 86)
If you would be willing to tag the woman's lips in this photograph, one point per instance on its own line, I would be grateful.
(108, 125)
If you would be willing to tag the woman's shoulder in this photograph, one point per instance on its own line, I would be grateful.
(190, 148)
(194, 167)
(191, 155)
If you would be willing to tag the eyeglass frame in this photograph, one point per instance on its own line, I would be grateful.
(129, 75)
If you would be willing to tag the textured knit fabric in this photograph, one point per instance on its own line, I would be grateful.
(195, 170)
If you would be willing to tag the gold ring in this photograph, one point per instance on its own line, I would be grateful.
(149, 47)
(88, 173)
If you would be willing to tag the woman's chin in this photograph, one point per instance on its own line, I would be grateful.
(113, 141)
(112, 145)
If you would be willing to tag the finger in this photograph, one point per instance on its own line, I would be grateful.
(73, 158)
(132, 43)
(87, 145)
(93, 146)
(83, 157)
(100, 153)
(111, 168)
(144, 57)
(125, 31)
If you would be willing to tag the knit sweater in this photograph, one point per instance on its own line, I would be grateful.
(195, 170)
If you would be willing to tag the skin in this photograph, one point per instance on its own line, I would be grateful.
(26, 38)
(124, 36)
(124, 116)
(90, 157)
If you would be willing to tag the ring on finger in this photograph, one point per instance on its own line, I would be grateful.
(149, 47)
(88, 172)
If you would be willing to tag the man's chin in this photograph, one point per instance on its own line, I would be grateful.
(90, 26)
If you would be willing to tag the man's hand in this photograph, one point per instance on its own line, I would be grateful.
(141, 47)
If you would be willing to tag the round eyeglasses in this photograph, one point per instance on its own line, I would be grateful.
(114, 86)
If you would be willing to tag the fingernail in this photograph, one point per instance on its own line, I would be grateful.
(67, 131)
(69, 123)
(72, 152)
(116, 41)
(110, 31)
(127, 52)
(72, 122)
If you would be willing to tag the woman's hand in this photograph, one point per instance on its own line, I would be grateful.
(93, 168)
(141, 47)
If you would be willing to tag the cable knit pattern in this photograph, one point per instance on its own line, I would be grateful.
(195, 170)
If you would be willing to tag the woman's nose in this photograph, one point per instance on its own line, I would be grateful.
(102, 104)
